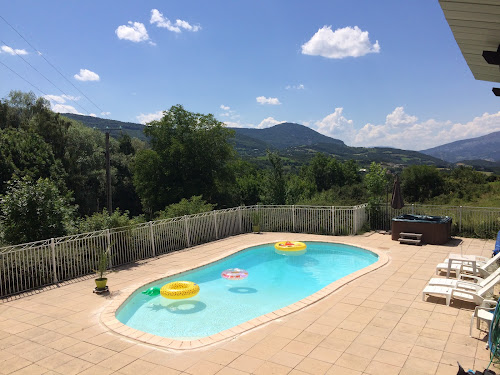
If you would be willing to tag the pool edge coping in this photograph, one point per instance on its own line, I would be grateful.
(109, 320)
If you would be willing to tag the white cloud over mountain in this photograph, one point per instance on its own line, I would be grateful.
(268, 122)
(341, 43)
(158, 19)
(135, 32)
(58, 103)
(87, 75)
(12, 51)
(270, 101)
(401, 130)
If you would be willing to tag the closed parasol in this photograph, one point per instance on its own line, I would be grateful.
(397, 197)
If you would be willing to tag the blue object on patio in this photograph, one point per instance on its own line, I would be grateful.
(497, 245)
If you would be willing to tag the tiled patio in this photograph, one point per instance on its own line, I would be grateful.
(376, 324)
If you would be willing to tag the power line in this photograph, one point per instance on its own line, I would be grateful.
(57, 70)
(24, 79)
(52, 83)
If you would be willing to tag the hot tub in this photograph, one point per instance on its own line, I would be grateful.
(435, 230)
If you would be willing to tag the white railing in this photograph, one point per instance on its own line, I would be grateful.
(33, 265)
(482, 222)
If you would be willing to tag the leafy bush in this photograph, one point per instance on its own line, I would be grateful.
(103, 220)
(31, 211)
(193, 205)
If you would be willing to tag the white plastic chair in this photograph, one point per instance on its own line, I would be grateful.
(483, 313)
(483, 268)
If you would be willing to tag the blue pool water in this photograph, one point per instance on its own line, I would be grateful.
(274, 281)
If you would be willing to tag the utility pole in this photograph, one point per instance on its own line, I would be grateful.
(108, 172)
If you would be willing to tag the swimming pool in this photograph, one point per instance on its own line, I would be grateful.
(274, 281)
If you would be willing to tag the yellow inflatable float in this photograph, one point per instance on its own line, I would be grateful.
(179, 290)
(290, 246)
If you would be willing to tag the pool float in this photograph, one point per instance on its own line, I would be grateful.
(290, 246)
(154, 291)
(179, 290)
(234, 274)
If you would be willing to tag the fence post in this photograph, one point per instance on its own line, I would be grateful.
(293, 218)
(188, 244)
(215, 225)
(413, 208)
(460, 222)
(108, 246)
(153, 248)
(54, 266)
(333, 220)
(239, 216)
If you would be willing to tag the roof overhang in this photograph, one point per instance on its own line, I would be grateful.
(476, 27)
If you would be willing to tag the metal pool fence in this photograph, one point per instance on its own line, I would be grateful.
(37, 264)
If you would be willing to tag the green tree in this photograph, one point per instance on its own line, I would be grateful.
(421, 182)
(275, 182)
(25, 153)
(34, 210)
(193, 205)
(376, 182)
(190, 155)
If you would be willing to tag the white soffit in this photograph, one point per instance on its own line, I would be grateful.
(476, 27)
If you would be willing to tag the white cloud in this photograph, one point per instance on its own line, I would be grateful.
(64, 108)
(401, 130)
(264, 100)
(145, 118)
(295, 87)
(236, 124)
(177, 27)
(58, 103)
(345, 42)
(399, 117)
(92, 115)
(268, 122)
(336, 125)
(12, 51)
(105, 113)
(87, 75)
(225, 107)
(136, 32)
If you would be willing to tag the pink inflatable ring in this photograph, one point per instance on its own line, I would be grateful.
(234, 274)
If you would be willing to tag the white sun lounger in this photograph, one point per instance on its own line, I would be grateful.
(484, 269)
(478, 297)
(466, 285)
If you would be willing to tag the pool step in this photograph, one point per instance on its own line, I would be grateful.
(410, 238)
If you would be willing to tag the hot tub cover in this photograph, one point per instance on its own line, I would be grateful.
(422, 218)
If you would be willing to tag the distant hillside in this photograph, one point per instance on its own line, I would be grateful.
(486, 147)
(288, 134)
(132, 129)
(296, 143)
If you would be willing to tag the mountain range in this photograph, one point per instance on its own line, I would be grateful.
(298, 143)
(486, 147)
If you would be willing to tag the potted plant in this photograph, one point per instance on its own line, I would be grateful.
(255, 222)
(102, 270)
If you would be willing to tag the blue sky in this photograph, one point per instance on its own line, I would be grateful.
(372, 73)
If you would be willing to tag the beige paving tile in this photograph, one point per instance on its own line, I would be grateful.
(287, 359)
(300, 348)
(73, 366)
(325, 354)
(272, 368)
(420, 366)
(379, 368)
(352, 362)
(391, 358)
(246, 363)
(313, 366)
